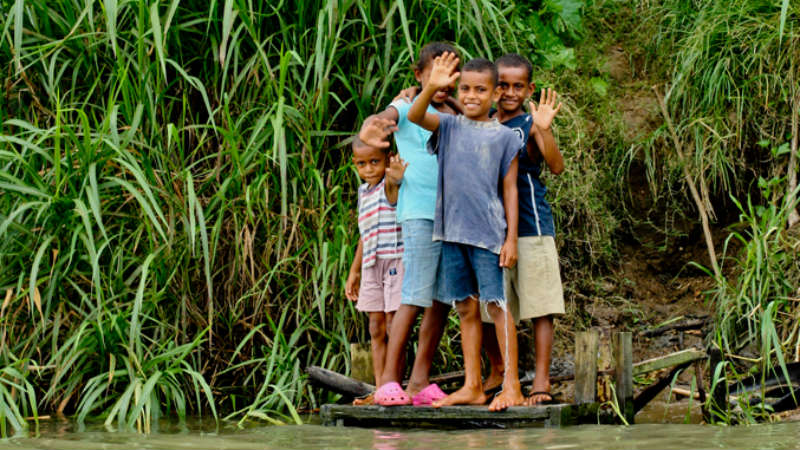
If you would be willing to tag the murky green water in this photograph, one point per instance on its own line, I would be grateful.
(66, 435)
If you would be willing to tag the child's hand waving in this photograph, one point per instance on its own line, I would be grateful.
(544, 115)
(375, 132)
(396, 170)
(444, 73)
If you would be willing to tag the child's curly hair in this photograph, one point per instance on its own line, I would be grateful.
(430, 51)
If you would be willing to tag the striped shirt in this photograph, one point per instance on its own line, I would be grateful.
(377, 223)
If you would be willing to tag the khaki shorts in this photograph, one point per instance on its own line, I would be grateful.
(533, 287)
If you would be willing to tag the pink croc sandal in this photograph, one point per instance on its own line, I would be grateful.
(391, 394)
(427, 396)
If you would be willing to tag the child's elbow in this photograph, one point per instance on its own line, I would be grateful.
(557, 169)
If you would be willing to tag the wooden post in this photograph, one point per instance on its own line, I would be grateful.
(623, 355)
(361, 363)
(586, 344)
(719, 387)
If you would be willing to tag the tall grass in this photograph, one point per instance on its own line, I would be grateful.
(176, 211)
(732, 83)
(731, 76)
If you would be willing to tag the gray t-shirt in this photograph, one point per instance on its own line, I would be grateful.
(473, 159)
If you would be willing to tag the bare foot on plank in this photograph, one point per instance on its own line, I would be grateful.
(463, 396)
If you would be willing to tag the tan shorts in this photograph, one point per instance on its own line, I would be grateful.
(380, 286)
(533, 287)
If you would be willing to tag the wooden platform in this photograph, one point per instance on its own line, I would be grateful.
(458, 416)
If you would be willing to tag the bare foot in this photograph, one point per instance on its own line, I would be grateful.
(506, 398)
(493, 381)
(463, 396)
(538, 398)
(368, 400)
(413, 389)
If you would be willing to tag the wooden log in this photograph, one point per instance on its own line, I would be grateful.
(338, 383)
(623, 355)
(673, 359)
(586, 344)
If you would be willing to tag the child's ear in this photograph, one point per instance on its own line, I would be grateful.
(418, 75)
(532, 87)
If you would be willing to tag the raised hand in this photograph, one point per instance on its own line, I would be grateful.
(375, 132)
(396, 170)
(443, 72)
(543, 115)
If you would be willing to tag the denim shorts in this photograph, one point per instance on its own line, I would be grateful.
(421, 263)
(467, 270)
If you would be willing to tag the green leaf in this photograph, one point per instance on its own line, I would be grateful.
(599, 85)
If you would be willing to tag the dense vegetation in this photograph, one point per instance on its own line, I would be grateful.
(176, 211)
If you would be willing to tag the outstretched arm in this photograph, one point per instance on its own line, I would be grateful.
(442, 75)
(542, 133)
(508, 253)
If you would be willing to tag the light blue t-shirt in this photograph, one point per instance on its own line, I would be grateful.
(473, 159)
(417, 196)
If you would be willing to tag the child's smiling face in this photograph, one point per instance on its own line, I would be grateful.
(514, 88)
(476, 92)
(370, 163)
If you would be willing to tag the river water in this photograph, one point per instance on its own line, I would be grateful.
(67, 435)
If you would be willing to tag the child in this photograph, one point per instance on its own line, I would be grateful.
(415, 212)
(476, 222)
(533, 287)
(377, 272)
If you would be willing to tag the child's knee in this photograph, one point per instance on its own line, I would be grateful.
(468, 309)
(495, 311)
(377, 326)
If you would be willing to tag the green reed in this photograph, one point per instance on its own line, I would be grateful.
(176, 210)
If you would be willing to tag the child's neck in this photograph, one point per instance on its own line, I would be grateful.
(503, 116)
(480, 117)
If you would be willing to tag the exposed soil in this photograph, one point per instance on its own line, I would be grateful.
(654, 281)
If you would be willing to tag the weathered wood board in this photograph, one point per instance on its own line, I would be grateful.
(458, 416)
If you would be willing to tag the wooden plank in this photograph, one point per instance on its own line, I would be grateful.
(338, 383)
(673, 359)
(446, 417)
(586, 344)
(623, 354)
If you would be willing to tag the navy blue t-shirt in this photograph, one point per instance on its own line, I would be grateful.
(535, 215)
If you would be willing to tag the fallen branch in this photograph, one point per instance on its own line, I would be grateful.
(791, 171)
(686, 325)
(701, 207)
